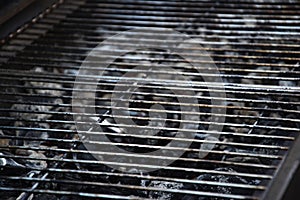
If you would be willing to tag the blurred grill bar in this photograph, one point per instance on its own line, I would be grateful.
(256, 48)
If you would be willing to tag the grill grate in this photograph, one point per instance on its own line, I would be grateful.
(255, 46)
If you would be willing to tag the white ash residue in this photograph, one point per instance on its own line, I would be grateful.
(163, 185)
(31, 111)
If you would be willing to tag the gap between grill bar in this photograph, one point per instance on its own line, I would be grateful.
(245, 88)
(90, 78)
(192, 3)
(145, 118)
(253, 175)
(114, 20)
(145, 86)
(124, 43)
(120, 64)
(84, 194)
(179, 16)
(148, 177)
(96, 39)
(133, 187)
(132, 135)
(203, 161)
(126, 26)
(150, 137)
(186, 130)
(274, 157)
(120, 108)
(68, 48)
(191, 7)
(229, 99)
(157, 137)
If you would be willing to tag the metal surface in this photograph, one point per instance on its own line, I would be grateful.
(254, 44)
(19, 17)
(10, 8)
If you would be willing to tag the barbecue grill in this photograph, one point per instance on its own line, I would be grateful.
(229, 131)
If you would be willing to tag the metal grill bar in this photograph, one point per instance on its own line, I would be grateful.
(288, 94)
(156, 178)
(151, 137)
(122, 64)
(157, 157)
(95, 40)
(137, 25)
(83, 194)
(260, 176)
(164, 82)
(149, 52)
(122, 197)
(165, 24)
(90, 35)
(195, 150)
(136, 117)
(126, 44)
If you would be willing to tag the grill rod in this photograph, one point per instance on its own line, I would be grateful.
(66, 49)
(90, 78)
(60, 33)
(94, 40)
(124, 43)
